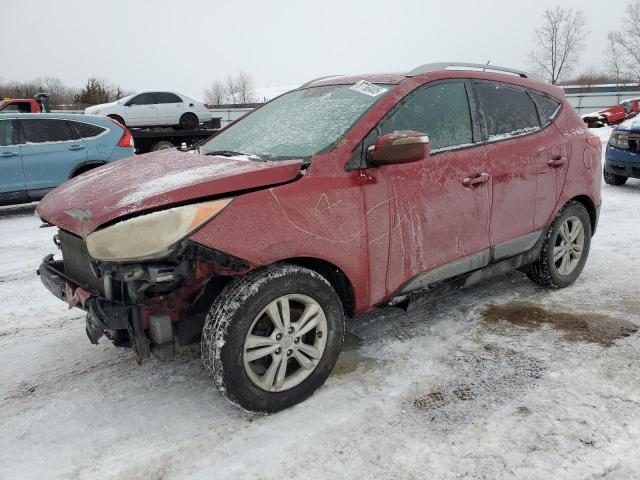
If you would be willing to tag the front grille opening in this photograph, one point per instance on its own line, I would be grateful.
(77, 262)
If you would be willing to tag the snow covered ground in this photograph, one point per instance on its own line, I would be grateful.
(503, 380)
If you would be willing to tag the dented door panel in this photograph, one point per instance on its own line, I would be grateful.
(436, 218)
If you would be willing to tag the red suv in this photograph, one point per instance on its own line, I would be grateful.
(346, 194)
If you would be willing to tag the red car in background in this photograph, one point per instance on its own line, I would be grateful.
(343, 195)
(613, 115)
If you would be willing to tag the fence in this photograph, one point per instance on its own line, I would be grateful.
(592, 102)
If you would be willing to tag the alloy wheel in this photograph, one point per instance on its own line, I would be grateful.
(285, 342)
(569, 246)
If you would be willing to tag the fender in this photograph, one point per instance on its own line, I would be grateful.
(81, 166)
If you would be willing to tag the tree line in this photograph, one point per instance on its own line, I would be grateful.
(560, 40)
(61, 96)
(235, 89)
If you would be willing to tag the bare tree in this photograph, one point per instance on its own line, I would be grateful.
(558, 42)
(626, 43)
(216, 93)
(232, 90)
(244, 82)
(614, 56)
(54, 87)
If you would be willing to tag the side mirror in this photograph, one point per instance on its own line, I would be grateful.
(404, 146)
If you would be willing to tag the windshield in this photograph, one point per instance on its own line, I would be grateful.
(124, 99)
(298, 124)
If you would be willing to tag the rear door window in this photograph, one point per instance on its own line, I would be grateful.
(441, 111)
(508, 111)
(547, 105)
(86, 130)
(6, 133)
(167, 97)
(48, 130)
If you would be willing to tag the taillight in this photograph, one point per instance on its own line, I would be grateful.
(126, 140)
(595, 142)
(206, 105)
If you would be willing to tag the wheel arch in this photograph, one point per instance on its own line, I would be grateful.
(190, 113)
(334, 275)
(117, 118)
(588, 204)
(86, 166)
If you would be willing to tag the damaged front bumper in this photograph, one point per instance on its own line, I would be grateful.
(147, 306)
(102, 314)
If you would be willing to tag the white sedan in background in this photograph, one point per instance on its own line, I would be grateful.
(154, 108)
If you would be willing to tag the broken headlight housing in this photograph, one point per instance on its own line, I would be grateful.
(620, 140)
(151, 236)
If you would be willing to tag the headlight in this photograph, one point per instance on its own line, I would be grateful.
(619, 140)
(97, 112)
(153, 235)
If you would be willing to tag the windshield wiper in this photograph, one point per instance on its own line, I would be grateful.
(231, 153)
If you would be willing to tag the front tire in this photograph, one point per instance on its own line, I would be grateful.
(565, 249)
(613, 179)
(272, 337)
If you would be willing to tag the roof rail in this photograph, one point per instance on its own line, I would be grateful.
(435, 67)
(317, 80)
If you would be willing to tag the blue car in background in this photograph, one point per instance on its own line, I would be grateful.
(622, 158)
(40, 151)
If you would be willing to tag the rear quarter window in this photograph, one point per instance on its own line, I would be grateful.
(87, 130)
(548, 106)
(508, 111)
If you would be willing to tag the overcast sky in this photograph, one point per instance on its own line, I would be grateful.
(186, 44)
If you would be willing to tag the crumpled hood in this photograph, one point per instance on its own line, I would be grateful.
(158, 179)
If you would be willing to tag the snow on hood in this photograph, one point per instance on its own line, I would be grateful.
(630, 124)
(158, 179)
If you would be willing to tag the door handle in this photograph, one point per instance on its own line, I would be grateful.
(557, 162)
(8, 154)
(477, 180)
(76, 147)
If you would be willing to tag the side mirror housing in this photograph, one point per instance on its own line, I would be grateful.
(398, 147)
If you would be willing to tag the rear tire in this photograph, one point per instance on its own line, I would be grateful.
(256, 361)
(118, 119)
(189, 121)
(565, 249)
(613, 179)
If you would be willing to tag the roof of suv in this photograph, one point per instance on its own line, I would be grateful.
(455, 69)
(57, 116)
